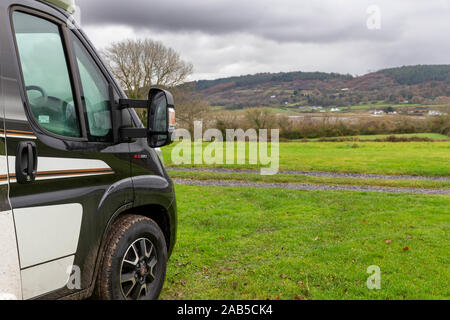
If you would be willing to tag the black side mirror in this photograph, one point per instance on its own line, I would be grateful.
(160, 121)
(161, 118)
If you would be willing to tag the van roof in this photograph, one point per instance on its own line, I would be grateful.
(68, 5)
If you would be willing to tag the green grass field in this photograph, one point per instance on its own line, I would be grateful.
(242, 243)
(402, 158)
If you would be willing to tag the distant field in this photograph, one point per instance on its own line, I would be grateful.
(276, 110)
(402, 158)
(380, 106)
(242, 243)
(294, 108)
(432, 136)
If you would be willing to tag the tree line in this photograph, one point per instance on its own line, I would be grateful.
(141, 64)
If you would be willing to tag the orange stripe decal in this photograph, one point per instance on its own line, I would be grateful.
(18, 133)
(56, 174)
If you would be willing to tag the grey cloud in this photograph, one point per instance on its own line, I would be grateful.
(281, 20)
(225, 38)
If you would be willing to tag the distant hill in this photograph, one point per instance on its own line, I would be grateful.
(251, 80)
(411, 75)
(419, 84)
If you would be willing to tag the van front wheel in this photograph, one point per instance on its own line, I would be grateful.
(134, 262)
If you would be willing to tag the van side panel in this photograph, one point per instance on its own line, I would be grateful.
(97, 180)
(10, 282)
(84, 183)
(62, 232)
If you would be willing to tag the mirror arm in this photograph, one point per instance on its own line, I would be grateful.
(116, 115)
(136, 133)
(133, 103)
(133, 133)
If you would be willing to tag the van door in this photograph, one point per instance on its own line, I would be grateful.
(66, 177)
(10, 286)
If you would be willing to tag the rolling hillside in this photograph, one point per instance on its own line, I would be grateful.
(418, 85)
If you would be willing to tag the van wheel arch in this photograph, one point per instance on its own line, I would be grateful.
(143, 264)
(155, 212)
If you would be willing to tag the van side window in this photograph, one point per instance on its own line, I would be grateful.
(46, 74)
(95, 92)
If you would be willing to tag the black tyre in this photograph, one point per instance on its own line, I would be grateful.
(134, 261)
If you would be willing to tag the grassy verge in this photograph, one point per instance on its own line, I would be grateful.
(380, 106)
(248, 243)
(362, 138)
(403, 158)
(303, 179)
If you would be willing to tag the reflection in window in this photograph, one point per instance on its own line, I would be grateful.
(95, 93)
(46, 74)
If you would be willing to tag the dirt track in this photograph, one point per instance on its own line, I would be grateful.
(313, 187)
(317, 174)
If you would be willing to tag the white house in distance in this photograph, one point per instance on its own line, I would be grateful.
(377, 112)
(434, 113)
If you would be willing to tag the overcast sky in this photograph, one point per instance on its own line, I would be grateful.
(230, 37)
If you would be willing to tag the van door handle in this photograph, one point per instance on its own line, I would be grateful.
(26, 162)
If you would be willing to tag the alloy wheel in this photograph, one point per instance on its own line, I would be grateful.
(138, 269)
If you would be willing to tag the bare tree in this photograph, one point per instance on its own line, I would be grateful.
(141, 64)
(260, 118)
(191, 106)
